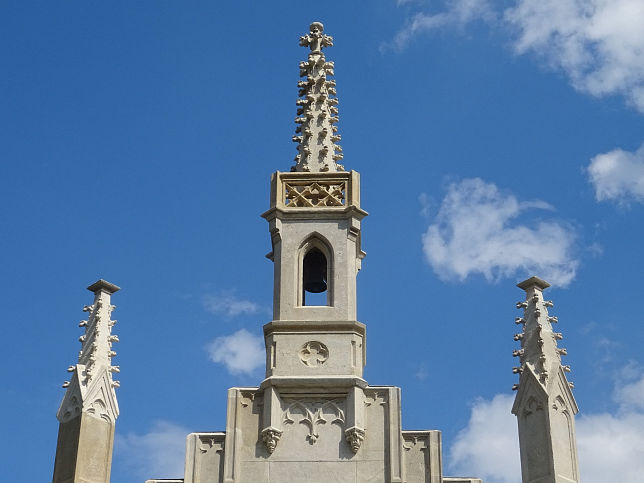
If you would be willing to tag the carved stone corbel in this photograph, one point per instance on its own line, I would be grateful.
(272, 413)
(355, 432)
(355, 437)
(270, 437)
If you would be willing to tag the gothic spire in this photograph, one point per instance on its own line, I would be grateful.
(539, 351)
(544, 405)
(93, 372)
(316, 132)
(89, 409)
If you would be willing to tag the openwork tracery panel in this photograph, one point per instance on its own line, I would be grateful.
(320, 193)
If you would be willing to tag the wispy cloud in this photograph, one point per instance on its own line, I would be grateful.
(598, 44)
(228, 304)
(618, 175)
(159, 453)
(241, 352)
(421, 373)
(457, 13)
(488, 446)
(475, 232)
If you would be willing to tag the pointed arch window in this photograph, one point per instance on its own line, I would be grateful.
(315, 274)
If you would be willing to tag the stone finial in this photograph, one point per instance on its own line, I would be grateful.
(316, 133)
(103, 285)
(539, 349)
(316, 40)
(535, 282)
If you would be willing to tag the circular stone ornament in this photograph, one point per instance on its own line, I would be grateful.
(314, 353)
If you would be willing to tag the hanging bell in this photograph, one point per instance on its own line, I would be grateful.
(314, 268)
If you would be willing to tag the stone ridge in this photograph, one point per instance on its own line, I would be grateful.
(539, 350)
(316, 133)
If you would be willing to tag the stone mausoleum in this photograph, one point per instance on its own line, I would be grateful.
(314, 418)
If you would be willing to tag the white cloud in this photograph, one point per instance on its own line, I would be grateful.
(488, 447)
(610, 447)
(241, 352)
(598, 44)
(475, 232)
(159, 453)
(228, 304)
(609, 444)
(618, 175)
(630, 396)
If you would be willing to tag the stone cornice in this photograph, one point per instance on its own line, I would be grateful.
(329, 326)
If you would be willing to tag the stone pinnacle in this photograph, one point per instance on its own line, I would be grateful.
(316, 132)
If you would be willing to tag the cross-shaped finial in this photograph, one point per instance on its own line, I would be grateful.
(316, 39)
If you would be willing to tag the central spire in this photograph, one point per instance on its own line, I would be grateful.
(316, 132)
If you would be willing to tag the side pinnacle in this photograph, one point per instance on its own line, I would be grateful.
(539, 350)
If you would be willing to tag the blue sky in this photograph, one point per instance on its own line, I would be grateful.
(495, 140)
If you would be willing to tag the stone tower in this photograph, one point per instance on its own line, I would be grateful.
(314, 418)
(545, 406)
(89, 409)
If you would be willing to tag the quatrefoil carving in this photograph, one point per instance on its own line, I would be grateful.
(314, 353)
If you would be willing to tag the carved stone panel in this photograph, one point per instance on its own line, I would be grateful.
(314, 193)
(314, 414)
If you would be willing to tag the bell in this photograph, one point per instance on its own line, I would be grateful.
(314, 268)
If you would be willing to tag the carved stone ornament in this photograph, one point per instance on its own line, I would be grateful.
(314, 353)
(355, 437)
(313, 414)
(376, 398)
(314, 194)
(270, 437)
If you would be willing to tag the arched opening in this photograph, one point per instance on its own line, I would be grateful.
(315, 273)
(315, 278)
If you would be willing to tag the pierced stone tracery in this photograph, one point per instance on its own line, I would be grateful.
(314, 194)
